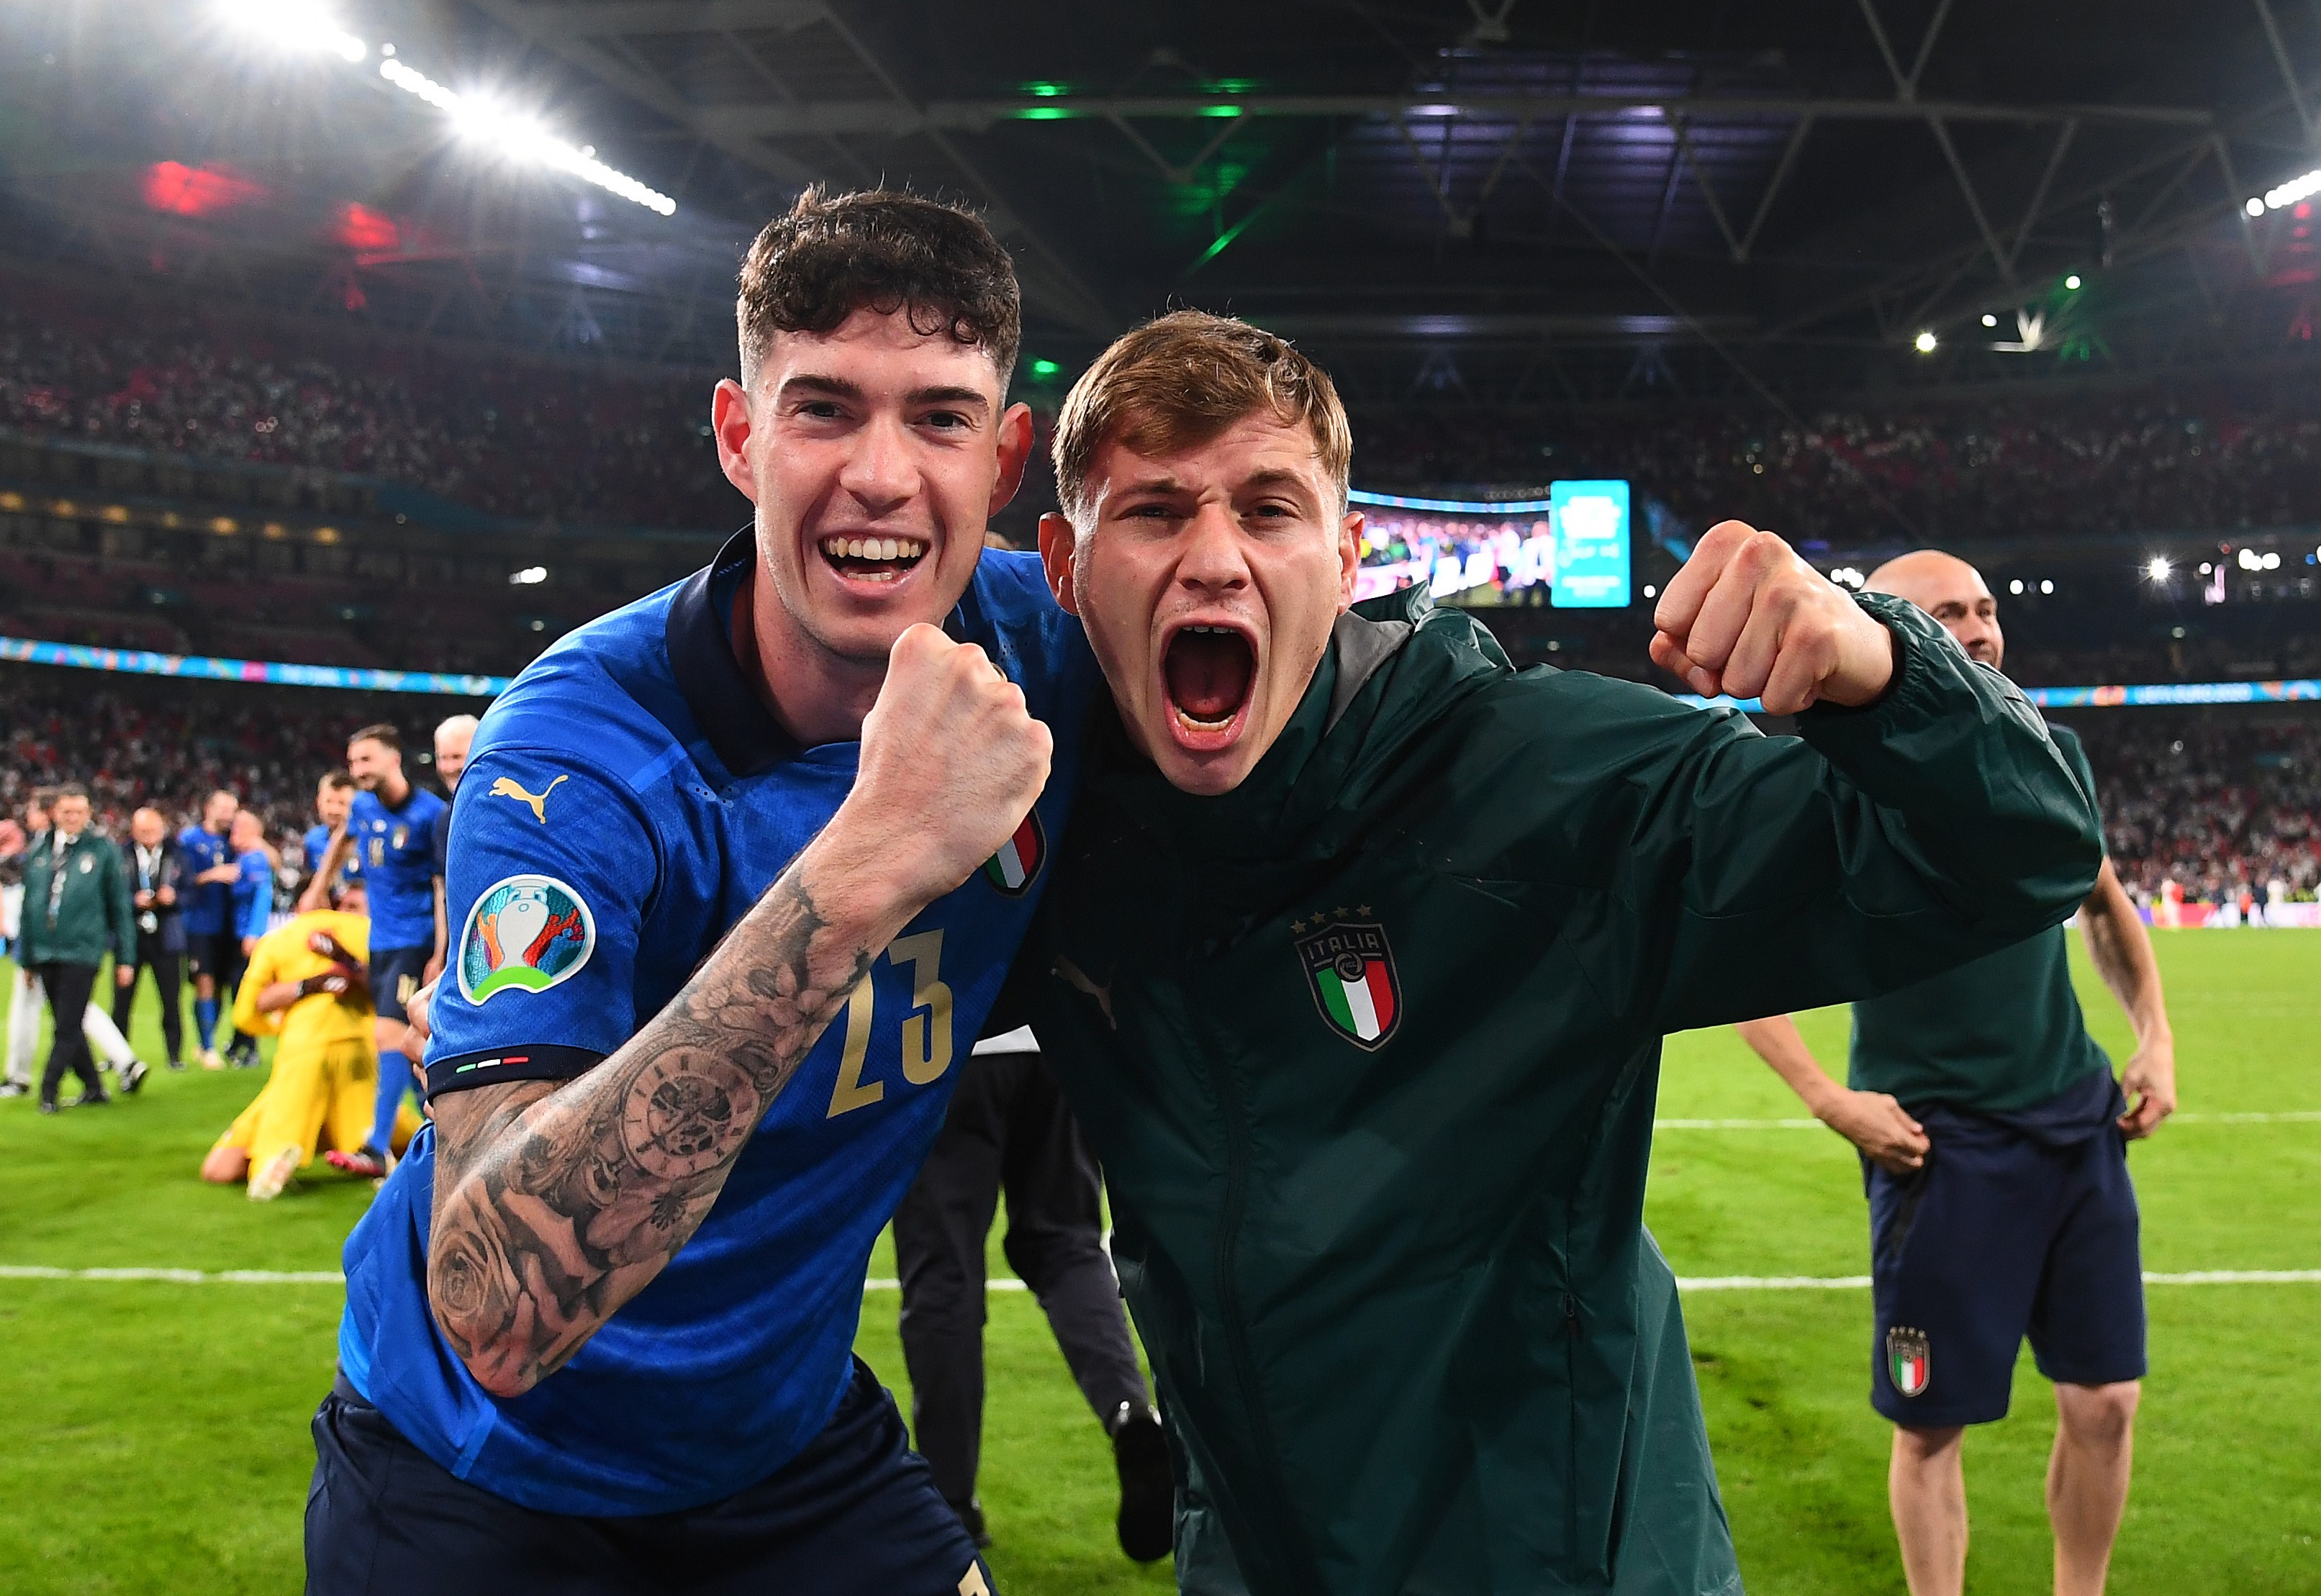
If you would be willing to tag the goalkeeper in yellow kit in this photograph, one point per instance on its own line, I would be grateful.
(306, 985)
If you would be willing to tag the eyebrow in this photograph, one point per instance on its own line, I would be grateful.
(838, 387)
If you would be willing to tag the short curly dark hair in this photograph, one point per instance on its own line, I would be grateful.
(831, 254)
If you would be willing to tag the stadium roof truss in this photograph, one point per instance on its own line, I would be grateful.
(1494, 199)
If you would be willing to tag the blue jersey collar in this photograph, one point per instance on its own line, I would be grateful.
(741, 731)
(743, 734)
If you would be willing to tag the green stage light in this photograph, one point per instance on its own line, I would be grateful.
(1044, 368)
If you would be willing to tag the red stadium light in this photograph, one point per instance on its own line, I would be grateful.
(197, 191)
(358, 227)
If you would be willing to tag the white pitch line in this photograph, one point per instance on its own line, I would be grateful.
(1704, 1283)
(2294, 1117)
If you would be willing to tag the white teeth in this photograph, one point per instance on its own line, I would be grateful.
(874, 549)
(1195, 723)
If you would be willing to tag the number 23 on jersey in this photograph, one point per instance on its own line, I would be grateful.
(926, 1039)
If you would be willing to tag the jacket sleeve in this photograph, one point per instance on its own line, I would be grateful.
(121, 920)
(1879, 847)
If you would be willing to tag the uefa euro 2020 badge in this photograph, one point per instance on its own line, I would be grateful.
(525, 934)
(1908, 1360)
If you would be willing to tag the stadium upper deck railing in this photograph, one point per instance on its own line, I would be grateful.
(211, 668)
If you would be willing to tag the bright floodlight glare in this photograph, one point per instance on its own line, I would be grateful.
(297, 24)
(2157, 569)
(2072, 282)
(1925, 342)
(1989, 320)
(521, 138)
(2272, 562)
(530, 575)
(2255, 206)
(2290, 192)
(2016, 585)
(2046, 587)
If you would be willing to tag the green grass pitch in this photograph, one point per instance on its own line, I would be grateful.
(152, 1435)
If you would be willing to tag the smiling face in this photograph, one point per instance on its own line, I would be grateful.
(1208, 578)
(371, 762)
(332, 804)
(249, 832)
(70, 814)
(876, 455)
(218, 810)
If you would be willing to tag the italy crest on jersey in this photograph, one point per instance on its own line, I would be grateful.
(1908, 1359)
(1017, 865)
(527, 934)
(1351, 969)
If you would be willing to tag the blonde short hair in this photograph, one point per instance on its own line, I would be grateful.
(1182, 380)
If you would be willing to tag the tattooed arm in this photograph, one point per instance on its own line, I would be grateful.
(554, 1205)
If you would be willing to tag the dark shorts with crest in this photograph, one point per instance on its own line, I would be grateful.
(2018, 1225)
(395, 974)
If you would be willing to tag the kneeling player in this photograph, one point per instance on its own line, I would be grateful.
(305, 986)
(1994, 1153)
(1359, 955)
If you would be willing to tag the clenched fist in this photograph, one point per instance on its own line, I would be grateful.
(951, 761)
(1747, 617)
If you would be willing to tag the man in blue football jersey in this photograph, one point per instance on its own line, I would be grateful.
(251, 901)
(599, 1323)
(391, 830)
(334, 798)
(213, 949)
(453, 738)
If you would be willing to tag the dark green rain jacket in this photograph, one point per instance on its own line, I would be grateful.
(1368, 1048)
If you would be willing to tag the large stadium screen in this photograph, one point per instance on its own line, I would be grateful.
(1591, 545)
(1482, 552)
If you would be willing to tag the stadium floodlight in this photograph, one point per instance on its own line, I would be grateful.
(2016, 585)
(1925, 343)
(2255, 206)
(2072, 282)
(296, 25)
(530, 575)
(1989, 320)
(2046, 587)
(2157, 568)
(2272, 562)
(513, 135)
(2289, 193)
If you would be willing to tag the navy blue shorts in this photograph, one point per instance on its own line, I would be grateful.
(855, 1514)
(395, 974)
(217, 955)
(2009, 1229)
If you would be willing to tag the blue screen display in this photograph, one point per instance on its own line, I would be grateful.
(1591, 545)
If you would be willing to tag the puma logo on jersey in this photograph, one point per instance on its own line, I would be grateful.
(505, 787)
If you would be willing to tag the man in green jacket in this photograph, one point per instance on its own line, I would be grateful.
(76, 911)
(1361, 948)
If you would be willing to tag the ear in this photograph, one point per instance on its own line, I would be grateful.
(1350, 557)
(1057, 543)
(1014, 454)
(729, 423)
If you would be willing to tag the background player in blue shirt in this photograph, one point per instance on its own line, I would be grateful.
(599, 1323)
(213, 949)
(250, 901)
(453, 738)
(334, 797)
(391, 830)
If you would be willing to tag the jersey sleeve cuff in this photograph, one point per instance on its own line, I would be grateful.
(489, 1067)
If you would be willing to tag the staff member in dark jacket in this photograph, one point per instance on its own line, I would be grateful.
(1359, 953)
(155, 868)
(76, 911)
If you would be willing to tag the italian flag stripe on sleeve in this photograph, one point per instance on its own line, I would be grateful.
(1017, 857)
(1365, 1007)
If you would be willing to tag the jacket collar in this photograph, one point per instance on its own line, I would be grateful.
(741, 731)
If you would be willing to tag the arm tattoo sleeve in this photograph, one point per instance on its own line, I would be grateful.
(555, 1205)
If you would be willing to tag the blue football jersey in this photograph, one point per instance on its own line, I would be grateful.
(397, 847)
(208, 905)
(253, 893)
(626, 801)
(317, 842)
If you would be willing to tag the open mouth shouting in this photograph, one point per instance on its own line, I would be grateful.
(874, 560)
(1208, 674)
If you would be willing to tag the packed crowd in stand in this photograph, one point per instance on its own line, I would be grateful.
(531, 440)
(2214, 803)
(2186, 457)
(539, 440)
